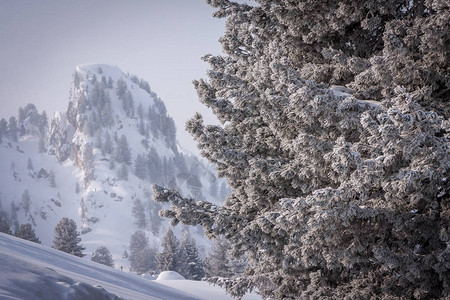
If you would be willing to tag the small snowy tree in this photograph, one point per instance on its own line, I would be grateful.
(26, 200)
(26, 232)
(194, 265)
(140, 167)
(217, 263)
(123, 152)
(103, 256)
(168, 259)
(52, 178)
(67, 238)
(122, 172)
(13, 128)
(88, 163)
(142, 258)
(138, 212)
(30, 165)
(4, 224)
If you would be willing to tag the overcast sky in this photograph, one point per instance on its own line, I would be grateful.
(161, 41)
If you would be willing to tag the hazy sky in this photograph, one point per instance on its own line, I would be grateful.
(161, 41)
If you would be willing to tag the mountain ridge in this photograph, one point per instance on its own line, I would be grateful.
(78, 171)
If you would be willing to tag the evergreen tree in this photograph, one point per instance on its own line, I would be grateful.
(123, 152)
(194, 265)
(88, 163)
(52, 178)
(139, 213)
(110, 83)
(121, 88)
(29, 164)
(26, 232)
(168, 259)
(142, 258)
(217, 263)
(336, 191)
(21, 115)
(67, 238)
(4, 224)
(41, 146)
(103, 256)
(107, 145)
(140, 169)
(26, 200)
(12, 128)
(14, 221)
(122, 172)
(3, 128)
(112, 164)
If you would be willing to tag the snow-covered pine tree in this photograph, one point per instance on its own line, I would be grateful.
(123, 152)
(26, 232)
(12, 128)
(4, 224)
(30, 165)
(142, 258)
(102, 256)
(168, 259)
(138, 212)
(26, 200)
(122, 172)
(88, 163)
(107, 145)
(52, 178)
(3, 128)
(67, 238)
(217, 262)
(140, 169)
(337, 191)
(194, 266)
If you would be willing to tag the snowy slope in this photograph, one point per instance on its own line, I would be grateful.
(31, 271)
(101, 207)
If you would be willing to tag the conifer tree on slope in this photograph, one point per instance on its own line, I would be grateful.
(336, 191)
(142, 258)
(4, 224)
(67, 238)
(26, 232)
(168, 259)
(194, 265)
(103, 256)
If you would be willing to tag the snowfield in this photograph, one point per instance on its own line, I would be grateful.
(32, 271)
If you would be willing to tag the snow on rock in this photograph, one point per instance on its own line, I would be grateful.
(170, 275)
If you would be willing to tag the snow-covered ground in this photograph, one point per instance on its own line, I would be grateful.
(32, 271)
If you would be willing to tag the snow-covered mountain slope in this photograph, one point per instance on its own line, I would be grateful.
(95, 164)
(31, 271)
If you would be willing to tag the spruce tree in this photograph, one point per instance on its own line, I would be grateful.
(4, 224)
(26, 200)
(168, 259)
(217, 263)
(142, 258)
(12, 128)
(26, 232)
(123, 152)
(334, 141)
(103, 256)
(122, 172)
(67, 238)
(138, 212)
(194, 265)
